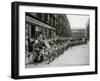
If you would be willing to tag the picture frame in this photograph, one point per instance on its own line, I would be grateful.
(19, 12)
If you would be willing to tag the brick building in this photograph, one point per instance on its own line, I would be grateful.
(49, 25)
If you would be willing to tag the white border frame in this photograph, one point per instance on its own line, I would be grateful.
(53, 70)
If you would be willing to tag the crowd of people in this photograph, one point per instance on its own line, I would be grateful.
(46, 50)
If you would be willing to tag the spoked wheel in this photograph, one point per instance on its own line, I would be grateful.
(52, 58)
(46, 59)
(31, 58)
(60, 52)
(56, 54)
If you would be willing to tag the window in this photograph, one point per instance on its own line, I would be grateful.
(46, 17)
(39, 16)
(32, 31)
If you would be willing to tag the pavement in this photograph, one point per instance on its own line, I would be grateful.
(75, 56)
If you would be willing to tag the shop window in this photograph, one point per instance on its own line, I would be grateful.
(32, 31)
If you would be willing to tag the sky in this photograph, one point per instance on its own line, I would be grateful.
(78, 21)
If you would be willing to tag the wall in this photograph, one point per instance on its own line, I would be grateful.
(5, 40)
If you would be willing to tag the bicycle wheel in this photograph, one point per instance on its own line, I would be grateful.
(51, 58)
(46, 59)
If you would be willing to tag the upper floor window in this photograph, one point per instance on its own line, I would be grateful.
(45, 17)
(39, 15)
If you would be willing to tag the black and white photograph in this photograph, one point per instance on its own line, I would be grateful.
(53, 40)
